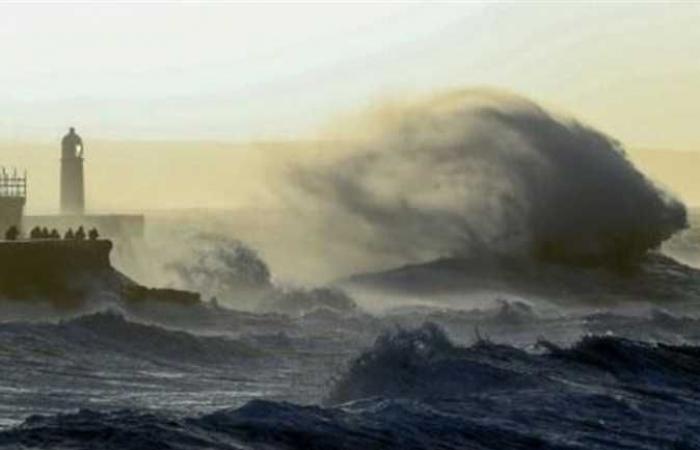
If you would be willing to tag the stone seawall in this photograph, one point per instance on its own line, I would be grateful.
(69, 272)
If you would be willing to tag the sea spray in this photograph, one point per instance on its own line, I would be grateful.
(475, 172)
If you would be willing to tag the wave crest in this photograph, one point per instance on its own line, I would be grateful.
(473, 172)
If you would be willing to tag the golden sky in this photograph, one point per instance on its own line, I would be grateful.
(676, 171)
(125, 74)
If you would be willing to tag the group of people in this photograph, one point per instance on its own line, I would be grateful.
(13, 233)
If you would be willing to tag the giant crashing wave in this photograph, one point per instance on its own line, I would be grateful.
(489, 180)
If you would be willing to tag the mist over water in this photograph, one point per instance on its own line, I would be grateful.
(471, 174)
(476, 172)
(220, 265)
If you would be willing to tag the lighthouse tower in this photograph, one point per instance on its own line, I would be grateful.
(72, 183)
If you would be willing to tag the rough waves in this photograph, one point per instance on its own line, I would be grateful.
(413, 388)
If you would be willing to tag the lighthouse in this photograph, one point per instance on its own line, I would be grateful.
(124, 229)
(72, 183)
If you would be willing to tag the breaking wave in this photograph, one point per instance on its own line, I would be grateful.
(424, 363)
(219, 265)
(477, 172)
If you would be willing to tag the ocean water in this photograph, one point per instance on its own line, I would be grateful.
(102, 381)
(511, 372)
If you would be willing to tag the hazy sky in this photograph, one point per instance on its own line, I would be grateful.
(185, 75)
(243, 71)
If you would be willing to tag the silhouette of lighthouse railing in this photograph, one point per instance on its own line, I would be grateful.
(13, 184)
(13, 196)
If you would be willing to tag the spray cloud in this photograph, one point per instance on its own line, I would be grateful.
(480, 172)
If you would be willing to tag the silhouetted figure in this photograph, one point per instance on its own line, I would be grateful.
(54, 234)
(45, 233)
(69, 234)
(93, 234)
(12, 233)
(80, 233)
(35, 233)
